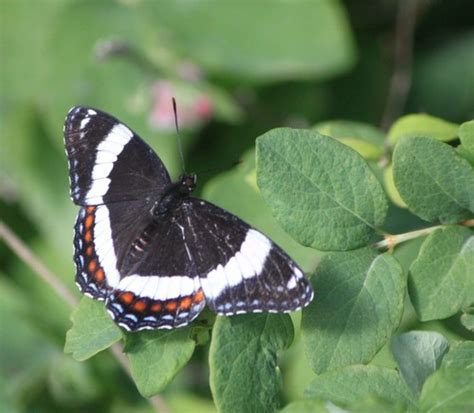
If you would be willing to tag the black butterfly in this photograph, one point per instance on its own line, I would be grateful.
(154, 253)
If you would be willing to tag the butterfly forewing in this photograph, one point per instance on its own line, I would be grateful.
(108, 162)
(159, 270)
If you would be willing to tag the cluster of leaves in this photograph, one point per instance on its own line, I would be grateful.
(280, 70)
(326, 196)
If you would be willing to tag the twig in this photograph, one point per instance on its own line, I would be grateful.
(390, 241)
(25, 254)
(400, 82)
(36, 265)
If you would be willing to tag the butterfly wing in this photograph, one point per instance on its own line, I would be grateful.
(241, 270)
(139, 265)
(107, 161)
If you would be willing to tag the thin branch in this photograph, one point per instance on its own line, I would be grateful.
(29, 258)
(400, 82)
(390, 241)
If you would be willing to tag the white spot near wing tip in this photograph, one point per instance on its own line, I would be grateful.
(84, 123)
(298, 272)
(91, 112)
(291, 283)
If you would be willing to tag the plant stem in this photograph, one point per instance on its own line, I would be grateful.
(390, 241)
(400, 82)
(30, 259)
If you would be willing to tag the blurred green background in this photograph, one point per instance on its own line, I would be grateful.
(236, 69)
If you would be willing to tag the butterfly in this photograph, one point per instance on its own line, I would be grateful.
(155, 254)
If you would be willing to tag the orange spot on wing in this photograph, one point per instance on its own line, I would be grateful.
(171, 306)
(92, 265)
(127, 297)
(90, 209)
(100, 275)
(198, 297)
(88, 236)
(139, 306)
(89, 250)
(88, 221)
(185, 303)
(155, 308)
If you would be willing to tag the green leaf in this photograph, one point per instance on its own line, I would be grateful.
(460, 355)
(466, 154)
(433, 180)
(359, 297)
(244, 375)
(321, 192)
(306, 406)
(366, 139)
(466, 134)
(355, 383)
(390, 187)
(157, 356)
(422, 125)
(441, 280)
(294, 40)
(448, 390)
(92, 330)
(418, 354)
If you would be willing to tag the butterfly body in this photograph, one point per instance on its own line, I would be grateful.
(153, 252)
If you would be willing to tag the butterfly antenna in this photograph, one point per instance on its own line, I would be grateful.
(180, 146)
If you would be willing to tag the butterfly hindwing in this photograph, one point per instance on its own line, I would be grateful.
(241, 270)
(108, 162)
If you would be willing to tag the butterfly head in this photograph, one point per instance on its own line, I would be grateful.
(187, 183)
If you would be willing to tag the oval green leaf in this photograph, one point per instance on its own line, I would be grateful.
(355, 383)
(418, 355)
(358, 303)
(466, 134)
(293, 40)
(322, 192)
(92, 330)
(422, 125)
(441, 280)
(157, 356)
(366, 139)
(390, 187)
(244, 375)
(435, 183)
